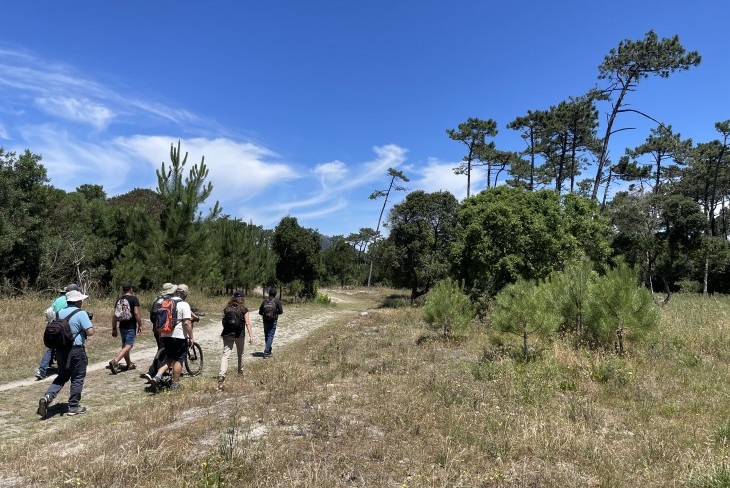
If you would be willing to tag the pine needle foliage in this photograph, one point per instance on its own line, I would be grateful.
(447, 308)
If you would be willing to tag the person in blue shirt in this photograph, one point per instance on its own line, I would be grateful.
(72, 363)
(57, 305)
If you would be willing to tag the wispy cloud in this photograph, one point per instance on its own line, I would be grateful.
(439, 175)
(50, 108)
(76, 110)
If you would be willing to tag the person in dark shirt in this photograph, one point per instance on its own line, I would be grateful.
(270, 310)
(126, 316)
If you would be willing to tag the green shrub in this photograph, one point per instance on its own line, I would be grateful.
(618, 308)
(526, 308)
(447, 308)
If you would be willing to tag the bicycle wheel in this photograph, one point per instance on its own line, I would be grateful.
(194, 360)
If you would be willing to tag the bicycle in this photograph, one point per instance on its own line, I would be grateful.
(194, 359)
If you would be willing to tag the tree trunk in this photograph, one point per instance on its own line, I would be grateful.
(525, 345)
(706, 275)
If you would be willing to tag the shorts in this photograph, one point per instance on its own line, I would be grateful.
(128, 335)
(175, 349)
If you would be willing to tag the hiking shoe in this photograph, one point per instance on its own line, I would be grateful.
(221, 378)
(175, 386)
(148, 377)
(39, 376)
(76, 410)
(43, 406)
(114, 366)
(240, 372)
(131, 366)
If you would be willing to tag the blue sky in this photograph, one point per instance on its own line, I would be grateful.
(301, 107)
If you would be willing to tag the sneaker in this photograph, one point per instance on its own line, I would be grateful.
(76, 410)
(175, 386)
(131, 366)
(240, 372)
(148, 377)
(39, 376)
(221, 378)
(43, 406)
(114, 366)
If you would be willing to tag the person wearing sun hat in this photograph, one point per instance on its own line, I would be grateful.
(176, 342)
(57, 305)
(72, 363)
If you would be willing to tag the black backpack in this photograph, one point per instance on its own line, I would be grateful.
(270, 310)
(232, 321)
(58, 333)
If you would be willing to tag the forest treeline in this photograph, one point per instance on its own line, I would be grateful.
(538, 214)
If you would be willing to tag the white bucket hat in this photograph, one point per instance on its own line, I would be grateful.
(75, 296)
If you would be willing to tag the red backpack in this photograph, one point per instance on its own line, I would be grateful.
(166, 316)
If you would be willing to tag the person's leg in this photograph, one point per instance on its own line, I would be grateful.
(227, 348)
(240, 341)
(79, 362)
(176, 371)
(269, 330)
(43, 366)
(181, 352)
(63, 376)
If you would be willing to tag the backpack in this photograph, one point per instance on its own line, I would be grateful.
(270, 310)
(165, 318)
(122, 310)
(58, 333)
(232, 320)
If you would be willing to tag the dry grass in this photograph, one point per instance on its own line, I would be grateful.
(366, 401)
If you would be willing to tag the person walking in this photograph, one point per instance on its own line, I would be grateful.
(176, 342)
(72, 363)
(57, 305)
(235, 318)
(270, 310)
(127, 317)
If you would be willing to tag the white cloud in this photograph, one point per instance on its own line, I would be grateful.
(331, 172)
(71, 162)
(238, 170)
(76, 110)
(439, 175)
(4, 134)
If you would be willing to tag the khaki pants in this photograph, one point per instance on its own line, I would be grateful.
(228, 342)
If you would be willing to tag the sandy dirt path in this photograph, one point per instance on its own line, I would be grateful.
(104, 391)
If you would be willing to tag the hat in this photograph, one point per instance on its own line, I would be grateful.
(69, 287)
(238, 294)
(169, 289)
(75, 296)
(183, 288)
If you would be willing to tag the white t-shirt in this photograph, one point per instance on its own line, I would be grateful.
(183, 312)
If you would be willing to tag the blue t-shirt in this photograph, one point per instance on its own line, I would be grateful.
(78, 323)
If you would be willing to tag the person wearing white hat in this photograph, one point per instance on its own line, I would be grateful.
(72, 363)
(58, 304)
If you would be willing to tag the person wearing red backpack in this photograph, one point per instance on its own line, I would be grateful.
(126, 315)
(72, 362)
(177, 336)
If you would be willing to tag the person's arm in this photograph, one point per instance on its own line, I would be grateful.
(138, 318)
(114, 325)
(261, 308)
(279, 308)
(248, 328)
(188, 326)
(86, 323)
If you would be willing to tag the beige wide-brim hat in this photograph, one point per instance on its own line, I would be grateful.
(183, 288)
(169, 289)
(75, 296)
